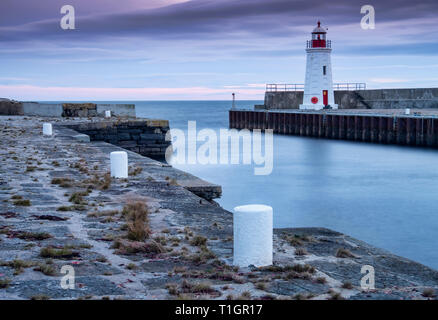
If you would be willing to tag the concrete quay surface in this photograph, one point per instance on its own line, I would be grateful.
(59, 208)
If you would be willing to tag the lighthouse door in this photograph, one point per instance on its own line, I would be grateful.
(325, 97)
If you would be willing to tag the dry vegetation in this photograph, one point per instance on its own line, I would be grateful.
(344, 253)
(428, 293)
(137, 220)
(63, 253)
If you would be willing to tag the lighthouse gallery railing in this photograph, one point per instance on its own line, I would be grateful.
(278, 87)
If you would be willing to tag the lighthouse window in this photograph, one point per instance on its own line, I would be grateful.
(324, 70)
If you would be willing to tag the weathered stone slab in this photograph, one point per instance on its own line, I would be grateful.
(82, 138)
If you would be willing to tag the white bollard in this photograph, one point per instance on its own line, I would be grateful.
(108, 114)
(47, 129)
(252, 235)
(407, 111)
(119, 164)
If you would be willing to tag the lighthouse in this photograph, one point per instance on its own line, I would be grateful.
(318, 88)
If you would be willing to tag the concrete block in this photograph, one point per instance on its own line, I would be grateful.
(82, 138)
(118, 110)
(42, 109)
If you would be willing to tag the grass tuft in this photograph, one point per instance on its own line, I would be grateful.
(428, 293)
(64, 253)
(135, 171)
(46, 269)
(137, 220)
(301, 252)
(4, 283)
(321, 280)
(198, 241)
(347, 285)
(62, 182)
(34, 236)
(78, 197)
(335, 295)
(40, 297)
(18, 265)
(344, 253)
(22, 203)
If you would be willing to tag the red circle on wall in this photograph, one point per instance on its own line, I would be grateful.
(314, 100)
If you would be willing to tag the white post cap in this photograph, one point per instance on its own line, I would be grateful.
(47, 129)
(253, 232)
(119, 164)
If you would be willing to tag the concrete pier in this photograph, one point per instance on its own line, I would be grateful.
(377, 127)
(59, 206)
(353, 96)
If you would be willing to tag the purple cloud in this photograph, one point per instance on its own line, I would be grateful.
(198, 18)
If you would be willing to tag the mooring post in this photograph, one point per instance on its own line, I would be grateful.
(253, 232)
(119, 164)
(47, 129)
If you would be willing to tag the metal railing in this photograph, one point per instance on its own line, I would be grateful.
(349, 86)
(284, 87)
(279, 87)
(319, 44)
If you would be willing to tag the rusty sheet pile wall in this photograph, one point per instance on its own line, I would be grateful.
(405, 130)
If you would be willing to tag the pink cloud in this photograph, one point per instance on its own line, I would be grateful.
(29, 92)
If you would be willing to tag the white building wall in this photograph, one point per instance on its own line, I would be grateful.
(316, 81)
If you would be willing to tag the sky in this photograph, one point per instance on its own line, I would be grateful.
(206, 49)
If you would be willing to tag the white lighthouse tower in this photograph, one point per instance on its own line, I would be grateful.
(318, 88)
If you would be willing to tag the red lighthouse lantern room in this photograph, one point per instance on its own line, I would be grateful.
(319, 39)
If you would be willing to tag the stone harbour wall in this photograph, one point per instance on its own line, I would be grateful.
(79, 110)
(146, 137)
(119, 110)
(421, 98)
(41, 109)
(10, 107)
